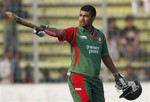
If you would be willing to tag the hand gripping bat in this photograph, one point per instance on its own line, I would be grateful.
(21, 21)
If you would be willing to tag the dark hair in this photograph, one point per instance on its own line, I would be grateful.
(89, 8)
(129, 17)
(111, 19)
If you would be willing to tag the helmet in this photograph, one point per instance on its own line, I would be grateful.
(133, 90)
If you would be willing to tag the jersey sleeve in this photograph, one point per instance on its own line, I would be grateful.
(69, 34)
(104, 47)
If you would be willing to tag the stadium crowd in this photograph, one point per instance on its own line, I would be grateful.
(11, 72)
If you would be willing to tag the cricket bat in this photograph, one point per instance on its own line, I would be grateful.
(21, 21)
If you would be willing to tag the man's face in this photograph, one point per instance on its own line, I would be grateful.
(129, 23)
(85, 19)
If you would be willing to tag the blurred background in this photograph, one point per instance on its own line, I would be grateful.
(26, 59)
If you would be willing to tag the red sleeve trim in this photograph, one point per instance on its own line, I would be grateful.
(69, 34)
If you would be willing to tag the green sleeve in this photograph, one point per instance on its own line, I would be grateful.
(104, 47)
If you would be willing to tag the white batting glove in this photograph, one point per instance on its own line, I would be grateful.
(121, 83)
(40, 33)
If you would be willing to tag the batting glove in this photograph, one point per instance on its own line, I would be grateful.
(121, 83)
(40, 32)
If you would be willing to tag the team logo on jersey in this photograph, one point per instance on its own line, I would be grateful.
(92, 49)
(99, 40)
(83, 37)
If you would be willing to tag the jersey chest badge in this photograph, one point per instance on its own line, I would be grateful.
(99, 40)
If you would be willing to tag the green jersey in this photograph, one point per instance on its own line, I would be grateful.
(86, 50)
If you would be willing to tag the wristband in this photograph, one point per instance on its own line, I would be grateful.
(50, 32)
(116, 75)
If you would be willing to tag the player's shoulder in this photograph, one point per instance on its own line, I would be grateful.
(100, 33)
(98, 30)
(71, 28)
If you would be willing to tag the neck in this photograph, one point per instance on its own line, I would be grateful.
(89, 28)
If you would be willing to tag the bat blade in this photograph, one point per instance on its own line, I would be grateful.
(21, 21)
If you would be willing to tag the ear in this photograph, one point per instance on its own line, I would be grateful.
(93, 18)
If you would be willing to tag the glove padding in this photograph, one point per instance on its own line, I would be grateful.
(121, 83)
(40, 32)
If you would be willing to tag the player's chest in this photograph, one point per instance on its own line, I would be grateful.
(87, 38)
(88, 43)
